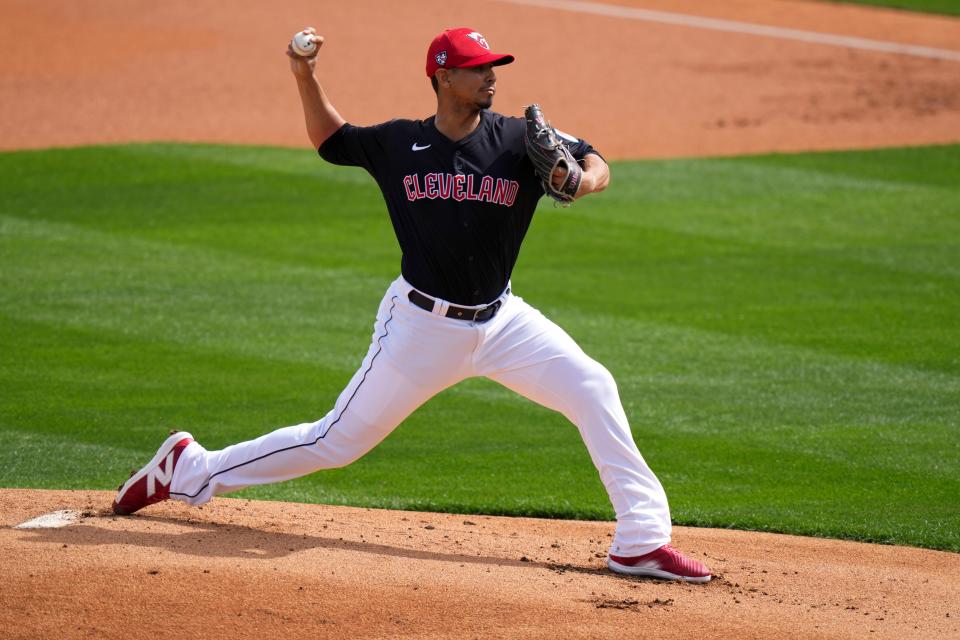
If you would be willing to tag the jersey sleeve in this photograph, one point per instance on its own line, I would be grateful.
(357, 147)
(578, 147)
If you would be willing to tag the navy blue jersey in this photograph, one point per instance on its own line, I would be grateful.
(460, 209)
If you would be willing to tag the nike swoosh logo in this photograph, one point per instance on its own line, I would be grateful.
(418, 148)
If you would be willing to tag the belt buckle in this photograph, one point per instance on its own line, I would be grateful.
(495, 306)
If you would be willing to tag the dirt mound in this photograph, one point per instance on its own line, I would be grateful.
(242, 569)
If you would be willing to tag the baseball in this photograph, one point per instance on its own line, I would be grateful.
(302, 44)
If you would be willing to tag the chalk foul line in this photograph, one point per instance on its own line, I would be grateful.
(732, 26)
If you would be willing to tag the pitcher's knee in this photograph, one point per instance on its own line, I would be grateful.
(349, 440)
(590, 390)
(597, 382)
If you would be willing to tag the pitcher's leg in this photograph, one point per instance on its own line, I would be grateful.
(379, 396)
(341, 437)
(534, 357)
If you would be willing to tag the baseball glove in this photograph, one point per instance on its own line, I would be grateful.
(548, 153)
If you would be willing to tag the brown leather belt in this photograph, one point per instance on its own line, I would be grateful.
(457, 313)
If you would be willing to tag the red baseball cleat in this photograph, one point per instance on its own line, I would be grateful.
(665, 563)
(152, 483)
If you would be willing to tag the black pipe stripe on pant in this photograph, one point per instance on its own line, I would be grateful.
(319, 438)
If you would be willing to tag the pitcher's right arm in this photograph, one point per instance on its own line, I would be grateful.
(321, 118)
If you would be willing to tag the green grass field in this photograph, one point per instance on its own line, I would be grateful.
(784, 331)
(949, 7)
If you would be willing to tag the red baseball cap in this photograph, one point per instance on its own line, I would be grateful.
(463, 47)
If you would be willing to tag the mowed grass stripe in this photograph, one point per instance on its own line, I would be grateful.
(780, 328)
(24, 449)
(162, 285)
(186, 294)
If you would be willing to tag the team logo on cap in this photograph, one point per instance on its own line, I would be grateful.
(480, 39)
(441, 58)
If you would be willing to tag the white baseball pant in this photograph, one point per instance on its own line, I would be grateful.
(415, 354)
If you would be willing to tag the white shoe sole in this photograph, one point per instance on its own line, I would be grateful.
(653, 573)
(162, 453)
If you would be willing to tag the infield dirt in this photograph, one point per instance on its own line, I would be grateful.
(112, 71)
(214, 72)
(242, 569)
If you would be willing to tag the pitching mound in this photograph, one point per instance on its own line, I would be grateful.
(243, 569)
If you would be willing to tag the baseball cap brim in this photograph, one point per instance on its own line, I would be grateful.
(496, 59)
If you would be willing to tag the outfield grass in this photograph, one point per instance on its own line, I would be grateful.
(783, 330)
(949, 7)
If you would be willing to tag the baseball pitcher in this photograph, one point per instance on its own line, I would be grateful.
(461, 188)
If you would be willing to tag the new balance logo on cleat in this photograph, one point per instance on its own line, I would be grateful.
(152, 483)
(161, 475)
